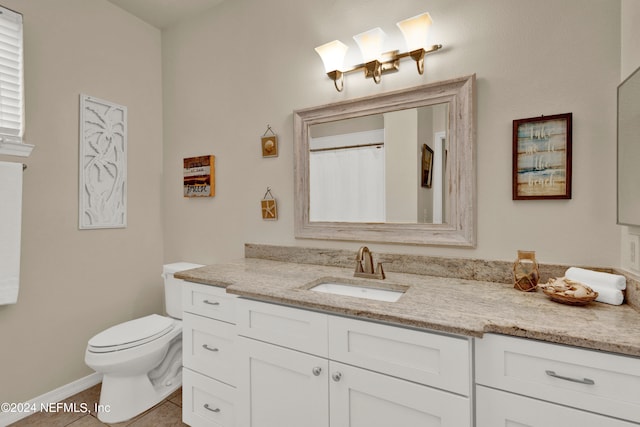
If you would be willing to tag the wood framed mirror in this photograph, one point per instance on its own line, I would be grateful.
(359, 167)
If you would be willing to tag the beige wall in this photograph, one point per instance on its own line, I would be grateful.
(630, 35)
(401, 185)
(76, 283)
(248, 64)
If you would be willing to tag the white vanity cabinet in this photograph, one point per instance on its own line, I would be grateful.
(302, 368)
(523, 382)
(208, 356)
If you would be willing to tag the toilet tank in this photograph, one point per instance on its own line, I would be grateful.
(173, 287)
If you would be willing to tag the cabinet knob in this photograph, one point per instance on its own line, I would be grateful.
(336, 376)
(317, 371)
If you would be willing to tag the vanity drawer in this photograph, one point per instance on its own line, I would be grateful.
(427, 358)
(499, 408)
(207, 402)
(209, 301)
(208, 347)
(595, 381)
(289, 327)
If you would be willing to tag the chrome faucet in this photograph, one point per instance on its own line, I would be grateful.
(364, 254)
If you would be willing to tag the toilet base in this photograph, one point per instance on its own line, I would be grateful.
(122, 398)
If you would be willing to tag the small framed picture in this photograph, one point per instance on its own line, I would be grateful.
(269, 206)
(427, 166)
(269, 146)
(199, 176)
(542, 157)
(269, 209)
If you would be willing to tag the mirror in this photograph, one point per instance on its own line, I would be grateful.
(629, 150)
(397, 167)
(388, 167)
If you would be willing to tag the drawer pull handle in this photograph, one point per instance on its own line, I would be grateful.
(210, 302)
(317, 371)
(573, 380)
(206, 406)
(337, 376)
(206, 347)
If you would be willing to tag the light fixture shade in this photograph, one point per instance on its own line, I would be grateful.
(371, 44)
(332, 55)
(415, 31)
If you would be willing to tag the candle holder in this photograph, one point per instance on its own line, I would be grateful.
(525, 271)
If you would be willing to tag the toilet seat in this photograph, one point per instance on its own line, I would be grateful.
(131, 334)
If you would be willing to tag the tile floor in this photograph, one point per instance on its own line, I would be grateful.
(167, 413)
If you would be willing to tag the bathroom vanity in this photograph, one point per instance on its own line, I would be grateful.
(262, 348)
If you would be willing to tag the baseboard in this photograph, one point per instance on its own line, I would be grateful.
(54, 396)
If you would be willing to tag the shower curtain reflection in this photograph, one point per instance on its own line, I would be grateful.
(347, 184)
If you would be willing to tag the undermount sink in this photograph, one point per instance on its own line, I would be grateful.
(358, 291)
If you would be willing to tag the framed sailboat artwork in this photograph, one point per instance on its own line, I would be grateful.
(542, 157)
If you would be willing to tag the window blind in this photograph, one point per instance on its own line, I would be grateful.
(11, 76)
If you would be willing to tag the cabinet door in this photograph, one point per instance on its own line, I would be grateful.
(280, 387)
(500, 408)
(361, 398)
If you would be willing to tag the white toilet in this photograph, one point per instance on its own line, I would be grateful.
(141, 360)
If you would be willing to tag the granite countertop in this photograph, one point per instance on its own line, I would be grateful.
(457, 306)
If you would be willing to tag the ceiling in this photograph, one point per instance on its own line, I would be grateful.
(164, 13)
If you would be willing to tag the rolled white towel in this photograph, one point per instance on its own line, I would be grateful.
(608, 295)
(596, 278)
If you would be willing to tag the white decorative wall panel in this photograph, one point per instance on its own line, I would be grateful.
(103, 164)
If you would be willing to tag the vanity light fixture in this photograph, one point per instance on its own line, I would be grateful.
(376, 61)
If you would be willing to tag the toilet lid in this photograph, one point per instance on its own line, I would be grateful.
(132, 333)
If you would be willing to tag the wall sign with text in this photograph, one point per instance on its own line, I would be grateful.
(199, 176)
(542, 157)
